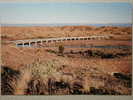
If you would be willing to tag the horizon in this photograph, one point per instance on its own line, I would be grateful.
(72, 24)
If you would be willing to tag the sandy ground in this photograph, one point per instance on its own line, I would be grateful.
(17, 57)
(15, 33)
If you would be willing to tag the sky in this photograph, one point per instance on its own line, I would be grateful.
(47, 13)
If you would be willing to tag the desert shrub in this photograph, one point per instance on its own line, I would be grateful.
(71, 51)
(8, 77)
(93, 53)
(104, 54)
(78, 85)
(97, 53)
(43, 69)
(51, 87)
(126, 79)
(61, 49)
(111, 37)
(36, 87)
(121, 76)
(80, 52)
(77, 88)
(103, 91)
(89, 52)
(42, 74)
(76, 91)
(4, 36)
(108, 55)
(61, 84)
(121, 54)
(51, 51)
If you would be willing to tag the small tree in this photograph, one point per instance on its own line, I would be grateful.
(61, 49)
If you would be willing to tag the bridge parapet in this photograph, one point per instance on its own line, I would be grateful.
(50, 40)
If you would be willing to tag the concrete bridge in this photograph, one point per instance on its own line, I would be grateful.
(36, 42)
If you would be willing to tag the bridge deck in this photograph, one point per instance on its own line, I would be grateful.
(47, 40)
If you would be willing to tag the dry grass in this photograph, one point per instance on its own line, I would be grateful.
(43, 78)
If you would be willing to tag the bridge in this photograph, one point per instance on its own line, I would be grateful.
(36, 42)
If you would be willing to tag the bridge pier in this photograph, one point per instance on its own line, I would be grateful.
(16, 44)
(35, 43)
(41, 42)
(23, 44)
(29, 44)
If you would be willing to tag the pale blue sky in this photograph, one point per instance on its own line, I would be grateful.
(43, 13)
